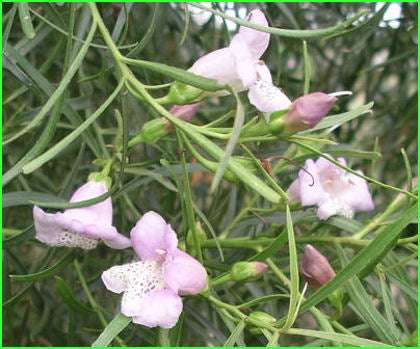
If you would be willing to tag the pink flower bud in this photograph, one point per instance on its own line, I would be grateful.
(315, 268)
(306, 111)
(185, 112)
(247, 271)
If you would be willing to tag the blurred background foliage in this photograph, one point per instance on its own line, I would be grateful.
(376, 60)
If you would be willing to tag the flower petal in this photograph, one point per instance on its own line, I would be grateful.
(47, 227)
(294, 192)
(115, 278)
(161, 308)
(219, 65)
(257, 40)
(357, 193)
(333, 206)
(267, 97)
(151, 233)
(95, 214)
(263, 73)
(311, 190)
(185, 275)
(109, 235)
(245, 63)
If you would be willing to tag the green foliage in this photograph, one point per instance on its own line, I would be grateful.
(79, 82)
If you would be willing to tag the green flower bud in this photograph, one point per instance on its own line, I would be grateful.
(276, 123)
(261, 316)
(151, 131)
(180, 93)
(247, 271)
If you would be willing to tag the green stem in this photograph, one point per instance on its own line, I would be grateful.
(91, 300)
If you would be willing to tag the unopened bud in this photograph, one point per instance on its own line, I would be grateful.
(315, 268)
(307, 111)
(154, 130)
(247, 271)
(261, 316)
(181, 93)
(185, 112)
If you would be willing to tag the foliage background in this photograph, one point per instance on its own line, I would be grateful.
(377, 61)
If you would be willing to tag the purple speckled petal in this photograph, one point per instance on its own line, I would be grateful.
(151, 233)
(185, 275)
(160, 308)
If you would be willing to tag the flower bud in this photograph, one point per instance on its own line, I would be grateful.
(261, 316)
(247, 271)
(154, 130)
(306, 111)
(315, 268)
(185, 112)
(181, 93)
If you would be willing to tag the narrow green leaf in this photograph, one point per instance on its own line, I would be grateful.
(365, 306)
(17, 198)
(339, 119)
(60, 89)
(230, 147)
(118, 323)
(62, 262)
(337, 337)
(291, 33)
(271, 249)
(177, 74)
(66, 141)
(235, 335)
(26, 234)
(366, 255)
(149, 33)
(67, 296)
(25, 20)
(294, 272)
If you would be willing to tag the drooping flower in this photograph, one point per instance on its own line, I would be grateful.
(80, 227)
(236, 64)
(315, 268)
(331, 188)
(152, 286)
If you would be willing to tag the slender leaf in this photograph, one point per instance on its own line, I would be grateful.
(118, 323)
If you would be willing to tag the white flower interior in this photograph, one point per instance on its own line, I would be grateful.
(70, 239)
(137, 280)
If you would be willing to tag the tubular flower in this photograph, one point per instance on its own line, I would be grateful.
(308, 110)
(152, 286)
(80, 227)
(331, 188)
(236, 64)
(315, 268)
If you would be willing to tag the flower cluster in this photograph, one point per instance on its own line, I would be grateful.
(152, 285)
(239, 65)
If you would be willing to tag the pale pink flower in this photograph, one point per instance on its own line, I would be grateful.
(152, 286)
(80, 227)
(236, 64)
(331, 188)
